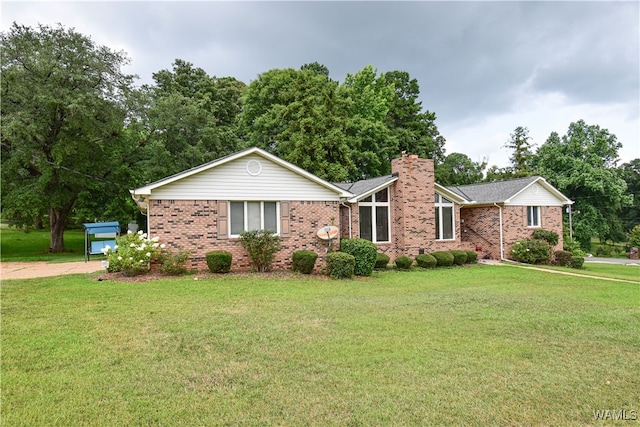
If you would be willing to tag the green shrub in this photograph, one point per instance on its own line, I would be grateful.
(443, 258)
(304, 261)
(562, 258)
(261, 245)
(459, 257)
(173, 263)
(551, 237)
(634, 237)
(403, 262)
(531, 251)
(365, 253)
(426, 261)
(219, 261)
(573, 246)
(577, 262)
(132, 253)
(382, 260)
(340, 265)
(472, 257)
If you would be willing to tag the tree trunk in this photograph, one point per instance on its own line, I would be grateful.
(57, 221)
(37, 222)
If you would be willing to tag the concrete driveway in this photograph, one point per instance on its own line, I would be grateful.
(612, 260)
(29, 270)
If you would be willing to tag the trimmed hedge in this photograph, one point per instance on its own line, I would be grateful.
(340, 265)
(219, 261)
(472, 257)
(382, 260)
(577, 262)
(443, 258)
(304, 261)
(426, 261)
(562, 258)
(403, 262)
(365, 253)
(459, 257)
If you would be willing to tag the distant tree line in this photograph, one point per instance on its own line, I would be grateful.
(77, 134)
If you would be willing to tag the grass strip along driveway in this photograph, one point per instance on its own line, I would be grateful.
(468, 346)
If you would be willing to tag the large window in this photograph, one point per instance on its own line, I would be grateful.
(445, 225)
(246, 216)
(374, 217)
(533, 216)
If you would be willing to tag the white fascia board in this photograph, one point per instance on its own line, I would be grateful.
(359, 197)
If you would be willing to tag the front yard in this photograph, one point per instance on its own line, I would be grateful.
(479, 345)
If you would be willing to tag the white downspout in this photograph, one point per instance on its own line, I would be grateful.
(501, 237)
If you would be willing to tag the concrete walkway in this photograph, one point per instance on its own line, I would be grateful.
(631, 263)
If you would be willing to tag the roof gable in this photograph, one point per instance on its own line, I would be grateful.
(364, 188)
(506, 191)
(223, 163)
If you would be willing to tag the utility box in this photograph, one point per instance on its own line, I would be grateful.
(99, 235)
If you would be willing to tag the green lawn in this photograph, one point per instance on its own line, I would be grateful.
(17, 245)
(479, 346)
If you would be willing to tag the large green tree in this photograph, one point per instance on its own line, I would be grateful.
(630, 215)
(63, 111)
(521, 160)
(299, 116)
(190, 119)
(414, 130)
(459, 169)
(373, 145)
(582, 165)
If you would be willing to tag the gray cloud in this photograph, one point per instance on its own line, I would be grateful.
(472, 59)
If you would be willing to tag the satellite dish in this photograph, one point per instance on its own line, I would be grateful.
(329, 232)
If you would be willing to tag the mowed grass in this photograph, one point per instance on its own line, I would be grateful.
(481, 345)
(18, 245)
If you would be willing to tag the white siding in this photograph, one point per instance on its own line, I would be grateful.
(232, 181)
(535, 195)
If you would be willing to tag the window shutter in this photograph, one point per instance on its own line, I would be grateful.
(223, 220)
(285, 219)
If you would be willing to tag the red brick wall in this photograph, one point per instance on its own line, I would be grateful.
(481, 227)
(192, 225)
(481, 230)
(413, 227)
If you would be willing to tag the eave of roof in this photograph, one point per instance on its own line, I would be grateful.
(147, 189)
(366, 187)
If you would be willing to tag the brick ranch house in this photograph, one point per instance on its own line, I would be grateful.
(404, 213)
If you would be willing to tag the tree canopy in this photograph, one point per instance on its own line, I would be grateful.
(63, 109)
(581, 164)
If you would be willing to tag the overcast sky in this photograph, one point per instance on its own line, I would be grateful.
(484, 68)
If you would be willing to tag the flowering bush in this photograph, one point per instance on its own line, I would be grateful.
(531, 251)
(132, 253)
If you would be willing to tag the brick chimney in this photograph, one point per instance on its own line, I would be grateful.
(414, 204)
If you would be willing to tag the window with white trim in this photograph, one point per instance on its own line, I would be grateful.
(533, 216)
(247, 216)
(445, 216)
(374, 217)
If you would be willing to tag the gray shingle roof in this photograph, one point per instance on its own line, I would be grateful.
(359, 188)
(493, 192)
